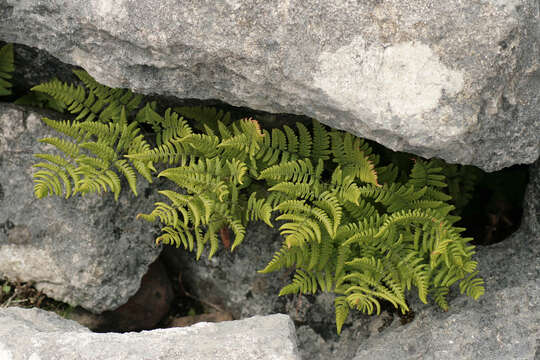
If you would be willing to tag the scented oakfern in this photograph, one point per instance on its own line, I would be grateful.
(350, 226)
(95, 142)
(7, 67)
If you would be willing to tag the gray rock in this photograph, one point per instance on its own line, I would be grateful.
(88, 251)
(503, 324)
(37, 334)
(230, 280)
(455, 79)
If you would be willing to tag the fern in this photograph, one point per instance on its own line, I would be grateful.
(7, 66)
(94, 160)
(364, 231)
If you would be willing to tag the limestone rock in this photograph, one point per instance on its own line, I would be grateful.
(36, 334)
(88, 251)
(455, 79)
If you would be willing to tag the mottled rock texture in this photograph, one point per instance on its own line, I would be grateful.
(36, 334)
(503, 324)
(88, 251)
(454, 79)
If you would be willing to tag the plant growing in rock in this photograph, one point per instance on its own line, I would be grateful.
(350, 226)
(7, 66)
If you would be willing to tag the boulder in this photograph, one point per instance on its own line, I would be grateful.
(37, 334)
(453, 79)
(88, 251)
(503, 324)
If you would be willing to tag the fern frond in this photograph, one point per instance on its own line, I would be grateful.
(7, 66)
(116, 96)
(472, 286)
(67, 147)
(327, 255)
(304, 141)
(258, 209)
(277, 147)
(284, 257)
(300, 190)
(147, 115)
(75, 98)
(237, 170)
(101, 150)
(306, 282)
(245, 142)
(295, 171)
(47, 183)
(205, 145)
(329, 203)
(173, 128)
(342, 308)
(208, 116)
(439, 296)
(350, 152)
(166, 213)
(58, 172)
(129, 174)
(426, 174)
(211, 236)
(292, 140)
(239, 231)
(321, 142)
(362, 301)
(171, 237)
(95, 171)
(171, 152)
(301, 229)
(41, 100)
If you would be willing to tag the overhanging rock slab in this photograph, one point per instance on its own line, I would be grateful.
(456, 79)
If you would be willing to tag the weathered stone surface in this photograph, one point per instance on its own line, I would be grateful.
(230, 280)
(503, 324)
(88, 251)
(454, 79)
(36, 334)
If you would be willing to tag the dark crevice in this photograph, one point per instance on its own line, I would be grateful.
(496, 207)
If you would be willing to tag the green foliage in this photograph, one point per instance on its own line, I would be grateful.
(461, 180)
(41, 100)
(7, 66)
(91, 155)
(362, 231)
